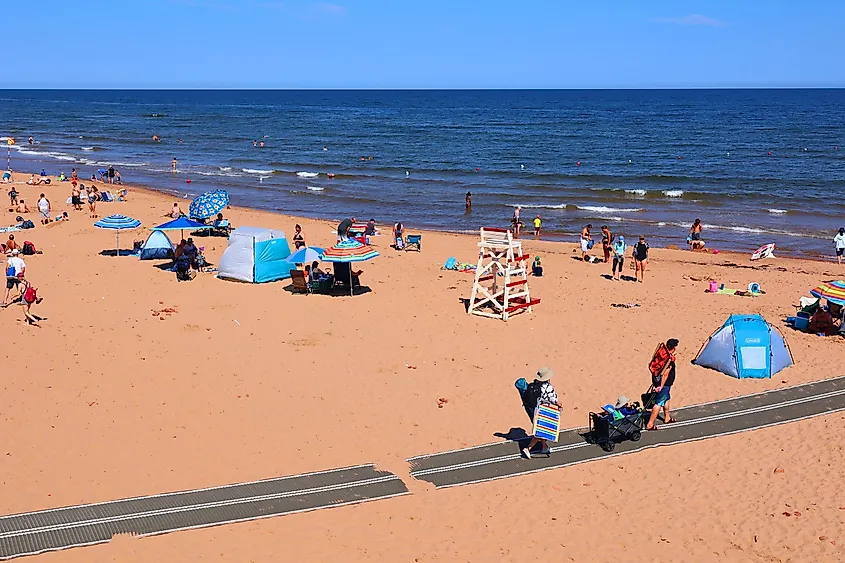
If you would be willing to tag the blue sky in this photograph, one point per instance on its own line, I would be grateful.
(422, 44)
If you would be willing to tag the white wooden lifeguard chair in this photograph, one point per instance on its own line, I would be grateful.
(500, 255)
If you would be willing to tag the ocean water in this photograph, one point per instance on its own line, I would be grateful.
(757, 166)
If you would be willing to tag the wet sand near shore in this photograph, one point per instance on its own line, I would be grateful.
(107, 399)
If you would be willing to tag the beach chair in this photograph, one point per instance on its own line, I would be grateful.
(299, 281)
(413, 243)
(221, 228)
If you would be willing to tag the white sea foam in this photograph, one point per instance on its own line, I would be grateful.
(315, 188)
(256, 171)
(636, 192)
(225, 168)
(558, 206)
(777, 211)
(87, 148)
(673, 193)
(307, 174)
(611, 218)
(603, 209)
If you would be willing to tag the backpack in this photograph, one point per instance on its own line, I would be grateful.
(28, 248)
(531, 396)
(30, 295)
(521, 385)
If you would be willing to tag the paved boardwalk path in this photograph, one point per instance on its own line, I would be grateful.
(48, 530)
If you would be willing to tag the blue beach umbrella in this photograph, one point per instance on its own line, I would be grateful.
(306, 255)
(181, 224)
(117, 223)
(209, 204)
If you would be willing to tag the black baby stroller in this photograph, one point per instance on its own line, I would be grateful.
(183, 268)
(612, 426)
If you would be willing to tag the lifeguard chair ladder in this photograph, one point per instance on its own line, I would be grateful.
(500, 255)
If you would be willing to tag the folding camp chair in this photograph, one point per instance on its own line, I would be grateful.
(300, 282)
(413, 243)
(221, 228)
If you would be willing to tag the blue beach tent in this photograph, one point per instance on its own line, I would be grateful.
(157, 247)
(746, 346)
(255, 255)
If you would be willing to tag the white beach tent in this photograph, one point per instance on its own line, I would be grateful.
(255, 255)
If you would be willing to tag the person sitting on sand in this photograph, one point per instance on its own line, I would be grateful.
(586, 241)
(539, 392)
(371, 228)
(11, 244)
(7, 176)
(191, 251)
(176, 211)
(32, 181)
(822, 323)
(22, 207)
(179, 250)
(662, 379)
(298, 237)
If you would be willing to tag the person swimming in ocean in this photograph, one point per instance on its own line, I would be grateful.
(469, 201)
(156, 139)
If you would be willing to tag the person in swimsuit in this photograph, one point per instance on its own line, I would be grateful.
(695, 242)
(173, 164)
(469, 201)
(606, 242)
(92, 202)
(75, 200)
(298, 238)
(586, 239)
(640, 259)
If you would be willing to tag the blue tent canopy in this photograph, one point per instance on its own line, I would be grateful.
(746, 346)
(181, 224)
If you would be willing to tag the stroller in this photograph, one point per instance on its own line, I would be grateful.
(613, 426)
(183, 268)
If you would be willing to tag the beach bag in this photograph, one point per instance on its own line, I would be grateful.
(28, 248)
(30, 295)
(590, 244)
(521, 385)
(10, 272)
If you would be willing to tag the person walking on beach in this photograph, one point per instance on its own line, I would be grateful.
(606, 242)
(173, 165)
(515, 222)
(30, 296)
(13, 196)
(586, 241)
(640, 256)
(537, 224)
(469, 201)
(839, 242)
(662, 379)
(539, 392)
(618, 257)
(110, 172)
(44, 209)
(15, 274)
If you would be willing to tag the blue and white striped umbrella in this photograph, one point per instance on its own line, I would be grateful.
(209, 204)
(117, 223)
(306, 255)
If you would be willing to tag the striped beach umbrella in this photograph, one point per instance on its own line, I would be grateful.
(306, 255)
(348, 251)
(832, 291)
(117, 223)
(208, 204)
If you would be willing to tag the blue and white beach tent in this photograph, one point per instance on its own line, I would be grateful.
(255, 256)
(746, 346)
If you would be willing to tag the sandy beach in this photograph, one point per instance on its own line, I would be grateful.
(110, 398)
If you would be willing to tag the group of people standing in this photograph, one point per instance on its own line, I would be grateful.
(615, 248)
